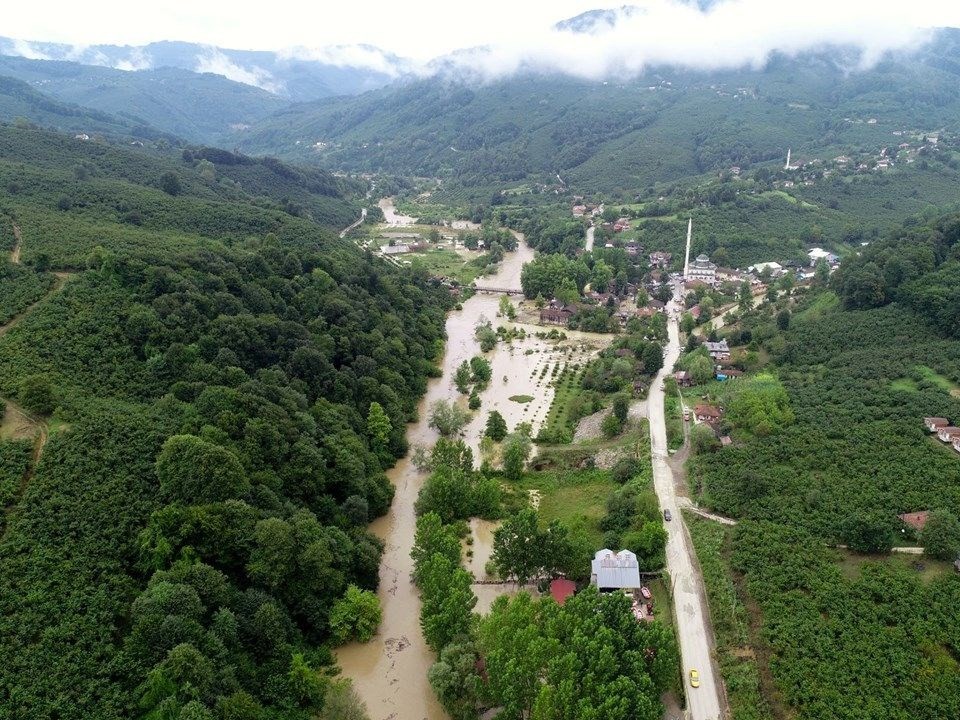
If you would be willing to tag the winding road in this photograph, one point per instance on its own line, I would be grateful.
(689, 598)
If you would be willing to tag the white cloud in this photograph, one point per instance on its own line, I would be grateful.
(734, 33)
(26, 50)
(215, 61)
(137, 60)
(355, 56)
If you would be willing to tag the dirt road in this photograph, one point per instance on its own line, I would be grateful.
(690, 606)
(590, 233)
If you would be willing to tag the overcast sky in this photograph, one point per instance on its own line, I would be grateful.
(735, 32)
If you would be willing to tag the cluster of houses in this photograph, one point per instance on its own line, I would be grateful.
(558, 313)
(945, 432)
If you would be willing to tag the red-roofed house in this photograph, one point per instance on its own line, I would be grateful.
(916, 520)
(935, 423)
(561, 589)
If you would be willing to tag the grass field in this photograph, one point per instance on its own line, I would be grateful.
(577, 498)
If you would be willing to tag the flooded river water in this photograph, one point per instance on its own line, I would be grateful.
(390, 671)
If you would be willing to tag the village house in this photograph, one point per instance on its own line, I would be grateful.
(556, 316)
(730, 275)
(816, 254)
(916, 520)
(660, 259)
(956, 443)
(726, 441)
(683, 378)
(615, 571)
(632, 247)
(948, 433)
(718, 350)
(707, 413)
(579, 210)
(695, 312)
(775, 268)
(935, 423)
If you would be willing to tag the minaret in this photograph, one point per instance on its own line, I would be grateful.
(686, 259)
(787, 166)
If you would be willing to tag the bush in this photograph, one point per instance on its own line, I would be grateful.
(611, 426)
(625, 469)
(941, 535)
(36, 394)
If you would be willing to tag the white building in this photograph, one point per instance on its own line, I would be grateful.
(775, 268)
(820, 254)
(611, 571)
(702, 269)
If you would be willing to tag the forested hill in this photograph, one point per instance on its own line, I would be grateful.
(621, 134)
(919, 267)
(197, 381)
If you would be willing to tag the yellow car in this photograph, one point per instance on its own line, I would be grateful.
(694, 679)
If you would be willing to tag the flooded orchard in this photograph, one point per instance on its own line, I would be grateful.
(390, 671)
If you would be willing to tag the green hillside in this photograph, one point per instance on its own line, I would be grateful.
(196, 384)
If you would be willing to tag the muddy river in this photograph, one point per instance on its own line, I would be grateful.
(390, 672)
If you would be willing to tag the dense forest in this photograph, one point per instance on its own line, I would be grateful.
(222, 385)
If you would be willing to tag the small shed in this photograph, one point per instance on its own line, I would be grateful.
(561, 589)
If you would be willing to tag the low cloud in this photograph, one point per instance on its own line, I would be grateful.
(29, 51)
(354, 56)
(138, 59)
(214, 61)
(728, 34)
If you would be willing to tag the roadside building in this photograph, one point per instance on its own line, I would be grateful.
(707, 413)
(683, 378)
(615, 571)
(718, 350)
(660, 259)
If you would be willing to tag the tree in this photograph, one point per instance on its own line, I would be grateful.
(496, 428)
(700, 368)
(378, 424)
(461, 378)
(486, 336)
(474, 401)
(455, 680)
(170, 183)
(867, 532)
(941, 535)
(506, 308)
(621, 406)
(356, 615)
(448, 418)
(446, 611)
(687, 323)
(517, 546)
(193, 471)
(516, 450)
(480, 371)
(821, 273)
(36, 394)
(783, 319)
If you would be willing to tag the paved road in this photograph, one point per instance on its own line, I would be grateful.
(590, 232)
(690, 607)
(363, 216)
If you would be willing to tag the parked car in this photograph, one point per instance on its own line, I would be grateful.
(694, 679)
(667, 515)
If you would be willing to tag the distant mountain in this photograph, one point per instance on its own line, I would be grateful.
(200, 107)
(660, 127)
(297, 75)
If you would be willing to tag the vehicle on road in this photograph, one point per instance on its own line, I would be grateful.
(667, 515)
(686, 415)
(694, 679)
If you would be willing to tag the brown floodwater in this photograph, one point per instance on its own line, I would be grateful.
(390, 671)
